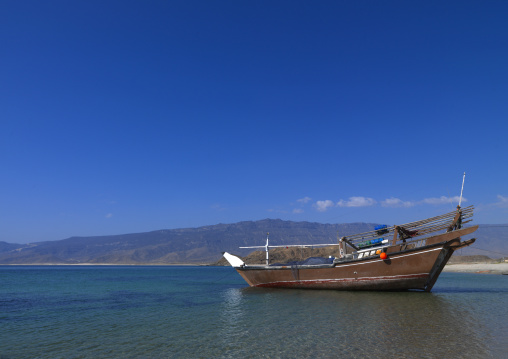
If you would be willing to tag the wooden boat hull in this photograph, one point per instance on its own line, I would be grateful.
(416, 269)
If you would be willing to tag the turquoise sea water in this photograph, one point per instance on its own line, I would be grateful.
(207, 312)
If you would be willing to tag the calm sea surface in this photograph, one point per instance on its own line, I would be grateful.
(205, 312)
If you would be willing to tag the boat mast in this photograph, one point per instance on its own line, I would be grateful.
(462, 189)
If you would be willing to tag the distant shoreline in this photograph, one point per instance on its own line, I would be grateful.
(484, 268)
(109, 264)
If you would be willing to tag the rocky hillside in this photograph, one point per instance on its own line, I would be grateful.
(174, 246)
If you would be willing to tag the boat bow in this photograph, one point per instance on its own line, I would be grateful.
(235, 261)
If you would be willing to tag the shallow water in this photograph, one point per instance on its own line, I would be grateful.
(203, 312)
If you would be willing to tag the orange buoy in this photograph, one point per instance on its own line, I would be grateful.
(383, 255)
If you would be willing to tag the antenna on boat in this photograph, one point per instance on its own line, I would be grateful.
(462, 189)
(267, 248)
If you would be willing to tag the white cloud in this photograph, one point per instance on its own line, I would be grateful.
(322, 206)
(217, 207)
(304, 200)
(297, 210)
(503, 201)
(443, 200)
(357, 202)
(396, 202)
(109, 215)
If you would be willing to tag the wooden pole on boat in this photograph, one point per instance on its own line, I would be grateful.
(457, 220)
(462, 189)
(341, 246)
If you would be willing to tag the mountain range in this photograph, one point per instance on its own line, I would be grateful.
(204, 245)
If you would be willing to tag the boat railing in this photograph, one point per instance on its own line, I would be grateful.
(414, 229)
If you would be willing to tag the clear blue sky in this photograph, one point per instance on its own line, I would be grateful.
(132, 116)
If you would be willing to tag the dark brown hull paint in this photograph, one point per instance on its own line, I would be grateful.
(416, 269)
